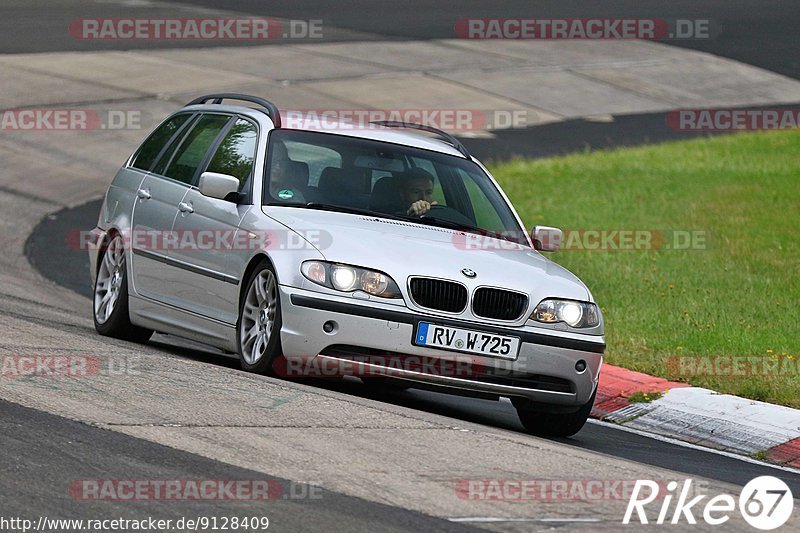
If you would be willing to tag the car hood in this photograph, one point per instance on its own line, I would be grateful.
(404, 249)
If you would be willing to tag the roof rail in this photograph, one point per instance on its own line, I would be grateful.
(430, 129)
(272, 109)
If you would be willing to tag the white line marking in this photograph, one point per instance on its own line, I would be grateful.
(677, 442)
(491, 519)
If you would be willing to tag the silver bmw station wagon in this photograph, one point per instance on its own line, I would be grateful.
(383, 251)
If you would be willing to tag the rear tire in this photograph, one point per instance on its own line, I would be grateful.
(554, 424)
(110, 302)
(258, 331)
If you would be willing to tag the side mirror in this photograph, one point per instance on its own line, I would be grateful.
(216, 185)
(546, 239)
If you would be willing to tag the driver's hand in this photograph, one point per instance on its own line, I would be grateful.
(420, 207)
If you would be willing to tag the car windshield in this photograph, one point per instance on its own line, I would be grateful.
(317, 170)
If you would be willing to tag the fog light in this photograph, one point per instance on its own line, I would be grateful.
(580, 366)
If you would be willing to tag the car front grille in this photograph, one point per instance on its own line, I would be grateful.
(498, 303)
(438, 294)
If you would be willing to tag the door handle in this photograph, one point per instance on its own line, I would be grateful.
(185, 208)
(143, 194)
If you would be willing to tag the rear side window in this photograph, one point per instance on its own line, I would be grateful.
(236, 152)
(152, 146)
(195, 146)
(166, 155)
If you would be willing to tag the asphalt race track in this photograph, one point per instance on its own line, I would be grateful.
(186, 426)
(758, 32)
(64, 450)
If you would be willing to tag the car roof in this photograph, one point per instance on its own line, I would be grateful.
(401, 136)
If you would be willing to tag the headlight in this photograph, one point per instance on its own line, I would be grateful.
(344, 278)
(348, 278)
(316, 272)
(574, 314)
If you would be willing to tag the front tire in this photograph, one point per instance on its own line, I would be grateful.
(258, 335)
(110, 302)
(554, 424)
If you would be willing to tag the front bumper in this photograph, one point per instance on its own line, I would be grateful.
(376, 327)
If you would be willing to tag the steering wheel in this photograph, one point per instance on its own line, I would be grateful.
(445, 212)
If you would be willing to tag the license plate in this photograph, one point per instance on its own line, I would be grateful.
(466, 340)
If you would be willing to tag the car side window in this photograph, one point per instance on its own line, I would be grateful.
(236, 152)
(169, 151)
(150, 149)
(194, 147)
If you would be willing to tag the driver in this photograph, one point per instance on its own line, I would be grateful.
(282, 176)
(417, 191)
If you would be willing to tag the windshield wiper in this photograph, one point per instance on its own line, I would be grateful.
(433, 221)
(346, 209)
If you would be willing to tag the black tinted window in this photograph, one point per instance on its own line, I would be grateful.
(194, 147)
(236, 152)
(152, 146)
(166, 155)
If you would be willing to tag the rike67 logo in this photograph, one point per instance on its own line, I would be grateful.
(765, 503)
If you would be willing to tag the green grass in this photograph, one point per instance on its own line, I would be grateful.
(738, 297)
(645, 397)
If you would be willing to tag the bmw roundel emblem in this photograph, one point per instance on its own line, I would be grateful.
(469, 272)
